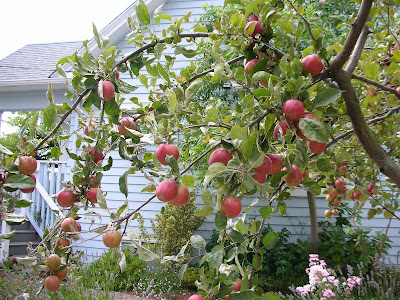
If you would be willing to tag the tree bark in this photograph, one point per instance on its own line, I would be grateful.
(314, 222)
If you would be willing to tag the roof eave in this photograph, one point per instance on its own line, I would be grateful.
(32, 84)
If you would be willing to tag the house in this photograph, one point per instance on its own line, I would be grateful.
(23, 88)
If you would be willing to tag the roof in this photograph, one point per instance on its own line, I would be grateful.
(35, 61)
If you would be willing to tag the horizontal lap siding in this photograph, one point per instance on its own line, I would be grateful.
(296, 220)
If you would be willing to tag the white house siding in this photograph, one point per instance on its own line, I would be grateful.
(296, 220)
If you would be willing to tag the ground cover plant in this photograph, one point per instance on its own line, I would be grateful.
(313, 111)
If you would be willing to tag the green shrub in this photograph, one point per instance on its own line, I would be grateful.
(190, 277)
(105, 273)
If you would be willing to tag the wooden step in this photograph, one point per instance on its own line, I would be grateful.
(20, 248)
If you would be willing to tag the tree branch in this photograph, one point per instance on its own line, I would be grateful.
(377, 84)
(358, 50)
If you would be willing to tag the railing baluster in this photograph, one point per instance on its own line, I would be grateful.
(52, 188)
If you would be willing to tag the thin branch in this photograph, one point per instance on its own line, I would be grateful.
(200, 157)
(259, 119)
(357, 50)
(64, 117)
(377, 84)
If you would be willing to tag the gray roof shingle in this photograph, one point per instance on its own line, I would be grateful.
(35, 61)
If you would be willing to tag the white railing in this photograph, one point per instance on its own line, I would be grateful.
(41, 213)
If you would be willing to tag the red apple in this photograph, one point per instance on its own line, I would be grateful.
(220, 155)
(53, 262)
(166, 149)
(96, 156)
(126, 123)
(293, 109)
(398, 89)
(52, 283)
(266, 166)
(92, 182)
(116, 72)
(195, 297)
(237, 285)
(277, 163)
(112, 239)
(66, 198)
(183, 196)
(27, 165)
(340, 183)
(356, 195)
(336, 202)
(312, 64)
(342, 169)
(281, 129)
(257, 28)
(343, 191)
(70, 225)
(316, 147)
(167, 190)
(231, 207)
(295, 176)
(92, 195)
(106, 90)
(62, 242)
(306, 174)
(335, 212)
(370, 188)
(62, 274)
(28, 191)
(260, 178)
(253, 18)
(250, 65)
(327, 213)
(333, 193)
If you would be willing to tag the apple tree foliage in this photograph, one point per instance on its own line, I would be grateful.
(360, 128)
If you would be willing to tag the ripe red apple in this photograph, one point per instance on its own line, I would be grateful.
(69, 225)
(370, 188)
(329, 198)
(167, 190)
(27, 165)
(52, 283)
(92, 195)
(343, 191)
(231, 207)
(277, 163)
(356, 195)
(237, 285)
(253, 18)
(62, 274)
(220, 155)
(293, 109)
(316, 147)
(266, 166)
(183, 196)
(295, 176)
(398, 89)
(342, 169)
(195, 297)
(336, 202)
(281, 129)
(92, 182)
(312, 64)
(327, 213)
(333, 193)
(106, 90)
(62, 242)
(298, 130)
(116, 72)
(374, 94)
(259, 177)
(66, 198)
(126, 123)
(306, 174)
(257, 28)
(53, 262)
(250, 65)
(340, 184)
(96, 156)
(112, 239)
(28, 191)
(396, 46)
(166, 149)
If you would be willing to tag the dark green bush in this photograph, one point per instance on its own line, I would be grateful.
(105, 273)
(190, 277)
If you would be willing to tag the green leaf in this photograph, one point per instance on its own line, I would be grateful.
(241, 227)
(125, 88)
(123, 184)
(136, 64)
(122, 208)
(20, 182)
(265, 212)
(7, 236)
(198, 242)
(238, 132)
(111, 108)
(311, 186)
(250, 145)
(50, 116)
(242, 295)
(142, 13)
(372, 70)
(207, 197)
(146, 254)
(193, 88)
(172, 99)
(220, 220)
(150, 187)
(50, 95)
(314, 130)
(188, 53)
(163, 72)
(188, 180)
(97, 36)
(236, 236)
(214, 170)
(324, 165)
(200, 28)
(327, 97)
(256, 262)
(270, 296)
(23, 203)
(270, 240)
(371, 213)
(56, 152)
(204, 211)
(101, 200)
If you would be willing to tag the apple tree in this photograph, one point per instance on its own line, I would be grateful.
(311, 112)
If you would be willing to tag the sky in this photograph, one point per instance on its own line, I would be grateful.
(25, 22)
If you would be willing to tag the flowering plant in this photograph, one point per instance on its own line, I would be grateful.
(323, 283)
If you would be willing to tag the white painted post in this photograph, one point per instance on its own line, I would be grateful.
(5, 244)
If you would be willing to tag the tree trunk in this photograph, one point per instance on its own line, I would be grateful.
(314, 222)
